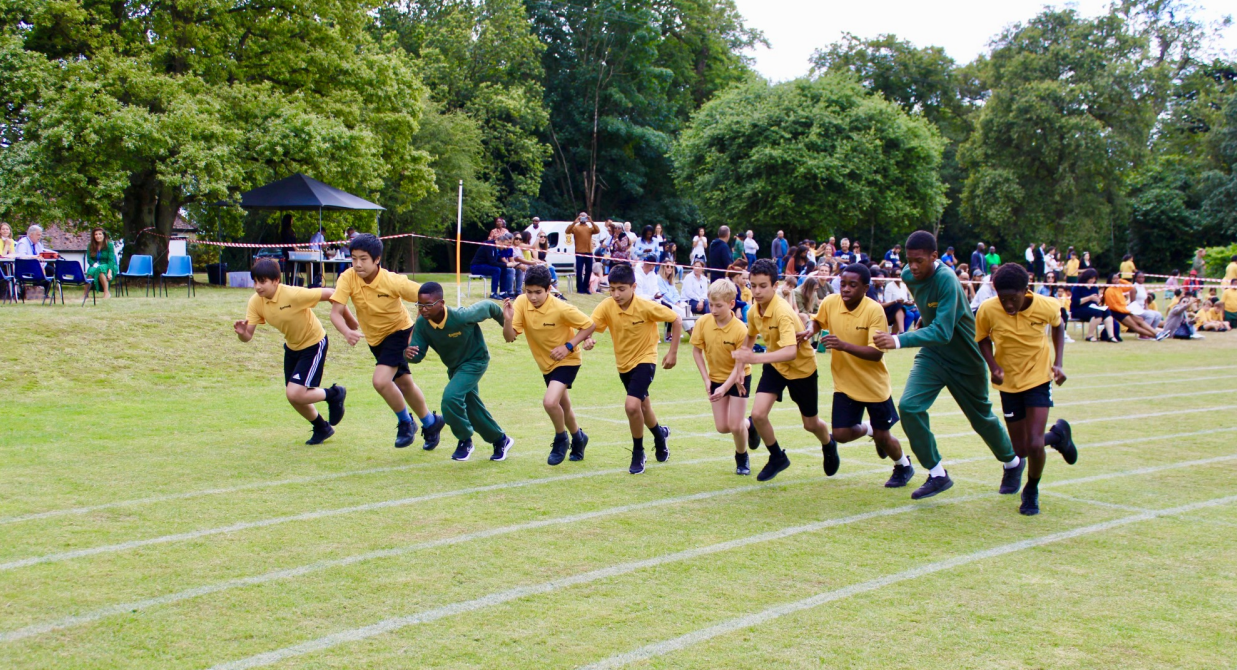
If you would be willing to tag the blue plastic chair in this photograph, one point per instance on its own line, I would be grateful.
(179, 267)
(140, 267)
(29, 272)
(70, 272)
(9, 284)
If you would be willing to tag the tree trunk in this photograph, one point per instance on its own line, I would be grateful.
(151, 208)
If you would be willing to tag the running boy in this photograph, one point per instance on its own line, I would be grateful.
(715, 337)
(860, 378)
(378, 296)
(290, 309)
(949, 359)
(1014, 322)
(632, 322)
(555, 330)
(788, 364)
(457, 338)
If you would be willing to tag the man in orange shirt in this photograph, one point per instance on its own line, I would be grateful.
(582, 232)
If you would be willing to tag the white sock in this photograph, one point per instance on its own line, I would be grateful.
(1013, 464)
(905, 461)
(937, 471)
(866, 428)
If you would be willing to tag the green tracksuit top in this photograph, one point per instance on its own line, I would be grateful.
(948, 331)
(459, 340)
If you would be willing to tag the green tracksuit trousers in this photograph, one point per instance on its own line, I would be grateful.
(969, 390)
(462, 407)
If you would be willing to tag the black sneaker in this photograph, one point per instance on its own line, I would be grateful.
(901, 476)
(433, 433)
(1011, 478)
(832, 461)
(741, 464)
(405, 432)
(933, 486)
(319, 436)
(777, 463)
(753, 436)
(637, 462)
(335, 408)
(501, 448)
(660, 449)
(1065, 445)
(558, 450)
(578, 442)
(462, 450)
(1030, 502)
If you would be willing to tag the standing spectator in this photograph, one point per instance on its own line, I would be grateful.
(645, 245)
(894, 256)
(8, 248)
(700, 247)
(780, 248)
(750, 248)
(736, 249)
(1230, 272)
(1230, 301)
(316, 270)
(949, 258)
(991, 260)
(1127, 267)
(1029, 255)
(978, 262)
(1072, 267)
(582, 232)
(101, 263)
(631, 237)
(658, 237)
(535, 228)
(1038, 255)
(620, 246)
(1085, 263)
(719, 257)
(1052, 261)
(1192, 284)
(1199, 263)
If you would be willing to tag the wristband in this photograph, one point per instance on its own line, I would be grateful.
(570, 346)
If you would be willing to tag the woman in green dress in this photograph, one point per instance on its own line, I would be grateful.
(101, 263)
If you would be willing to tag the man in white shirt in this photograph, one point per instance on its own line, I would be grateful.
(750, 247)
(984, 292)
(31, 244)
(535, 228)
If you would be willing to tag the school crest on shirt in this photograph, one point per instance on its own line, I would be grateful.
(455, 334)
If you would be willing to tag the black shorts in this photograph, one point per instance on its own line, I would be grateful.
(638, 379)
(390, 351)
(734, 390)
(304, 367)
(1014, 405)
(848, 412)
(802, 391)
(563, 373)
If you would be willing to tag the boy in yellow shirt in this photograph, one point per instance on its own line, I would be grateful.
(290, 309)
(714, 338)
(787, 364)
(1230, 302)
(632, 322)
(384, 322)
(1211, 317)
(555, 330)
(1013, 323)
(860, 378)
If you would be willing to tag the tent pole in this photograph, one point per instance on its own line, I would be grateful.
(459, 223)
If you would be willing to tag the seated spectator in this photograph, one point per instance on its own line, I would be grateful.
(668, 295)
(1116, 299)
(101, 263)
(597, 280)
(1045, 288)
(646, 277)
(786, 288)
(1177, 323)
(984, 289)
(696, 289)
(897, 299)
(1063, 297)
(1211, 317)
(487, 263)
(8, 248)
(1139, 304)
(31, 245)
(1087, 306)
(805, 299)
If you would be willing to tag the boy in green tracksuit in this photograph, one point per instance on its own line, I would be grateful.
(949, 359)
(456, 336)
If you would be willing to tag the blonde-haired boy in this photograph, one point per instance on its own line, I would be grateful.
(715, 336)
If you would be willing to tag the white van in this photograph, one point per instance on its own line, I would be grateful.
(562, 254)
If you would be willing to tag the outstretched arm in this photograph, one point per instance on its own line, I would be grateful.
(344, 322)
(244, 330)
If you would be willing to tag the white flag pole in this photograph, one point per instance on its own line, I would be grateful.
(459, 225)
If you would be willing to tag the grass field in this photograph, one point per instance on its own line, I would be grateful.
(158, 509)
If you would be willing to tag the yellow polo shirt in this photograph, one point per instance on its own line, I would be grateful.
(860, 380)
(717, 343)
(379, 304)
(1230, 300)
(1128, 269)
(291, 312)
(549, 326)
(633, 330)
(1230, 272)
(1071, 267)
(777, 326)
(1021, 345)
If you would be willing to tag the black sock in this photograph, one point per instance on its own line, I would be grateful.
(775, 450)
(1051, 438)
(740, 458)
(637, 444)
(331, 393)
(320, 423)
(1032, 484)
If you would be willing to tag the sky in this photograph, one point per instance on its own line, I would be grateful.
(796, 28)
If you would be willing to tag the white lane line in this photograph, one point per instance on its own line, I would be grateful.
(500, 597)
(748, 621)
(300, 571)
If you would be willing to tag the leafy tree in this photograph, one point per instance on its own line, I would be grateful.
(812, 157)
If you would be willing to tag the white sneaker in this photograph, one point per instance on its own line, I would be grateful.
(1068, 339)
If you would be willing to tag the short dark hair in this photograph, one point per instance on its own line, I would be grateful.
(430, 288)
(622, 274)
(766, 267)
(1010, 277)
(538, 275)
(921, 240)
(265, 268)
(865, 275)
(1127, 257)
(368, 243)
(1088, 274)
